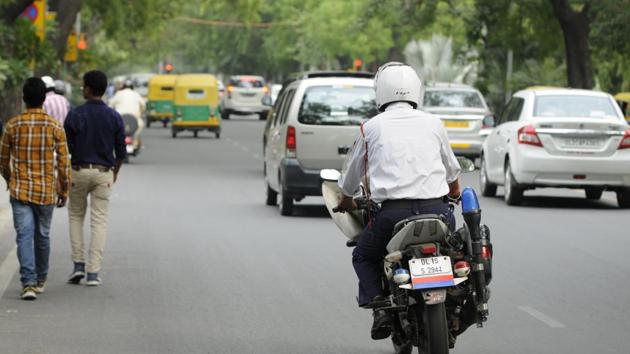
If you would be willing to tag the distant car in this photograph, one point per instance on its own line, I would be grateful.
(311, 127)
(551, 137)
(464, 113)
(244, 96)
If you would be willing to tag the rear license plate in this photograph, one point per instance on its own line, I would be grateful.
(431, 272)
(582, 142)
(462, 124)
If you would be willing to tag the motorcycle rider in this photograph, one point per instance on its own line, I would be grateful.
(406, 161)
(128, 101)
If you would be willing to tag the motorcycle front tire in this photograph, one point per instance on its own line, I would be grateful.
(434, 332)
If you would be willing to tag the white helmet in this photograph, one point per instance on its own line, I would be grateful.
(49, 82)
(396, 82)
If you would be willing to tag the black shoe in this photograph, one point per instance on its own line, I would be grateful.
(382, 326)
(379, 301)
(77, 274)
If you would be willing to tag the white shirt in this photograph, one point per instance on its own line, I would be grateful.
(128, 101)
(409, 156)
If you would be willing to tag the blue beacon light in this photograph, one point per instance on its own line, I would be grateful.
(470, 202)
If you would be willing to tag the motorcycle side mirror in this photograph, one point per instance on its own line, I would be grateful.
(466, 164)
(330, 175)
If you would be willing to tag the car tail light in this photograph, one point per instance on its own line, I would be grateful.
(625, 142)
(291, 142)
(128, 140)
(428, 249)
(527, 135)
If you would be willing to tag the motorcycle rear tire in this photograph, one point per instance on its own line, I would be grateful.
(434, 334)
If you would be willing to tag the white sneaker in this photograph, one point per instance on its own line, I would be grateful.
(28, 293)
(39, 288)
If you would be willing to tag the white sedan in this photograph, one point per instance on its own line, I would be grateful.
(552, 137)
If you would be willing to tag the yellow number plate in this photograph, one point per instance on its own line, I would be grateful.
(456, 123)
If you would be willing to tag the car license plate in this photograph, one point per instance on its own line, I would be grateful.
(431, 272)
(582, 142)
(462, 124)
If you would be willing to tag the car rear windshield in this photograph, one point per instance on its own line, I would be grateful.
(247, 82)
(452, 98)
(574, 106)
(337, 105)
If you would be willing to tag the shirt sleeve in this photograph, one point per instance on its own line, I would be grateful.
(355, 168)
(63, 165)
(120, 148)
(5, 154)
(453, 170)
(70, 130)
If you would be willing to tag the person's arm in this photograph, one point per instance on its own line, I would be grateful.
(120, 148)
(5, 155)
(453, 170)
(351, 179)
(63, 166)
(70, 130)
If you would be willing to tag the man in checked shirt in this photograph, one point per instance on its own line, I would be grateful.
(34, 163)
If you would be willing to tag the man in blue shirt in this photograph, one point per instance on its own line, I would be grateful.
(96, 140)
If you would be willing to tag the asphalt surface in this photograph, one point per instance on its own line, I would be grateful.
(196, 263)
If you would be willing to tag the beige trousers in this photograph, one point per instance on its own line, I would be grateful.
(98, 186)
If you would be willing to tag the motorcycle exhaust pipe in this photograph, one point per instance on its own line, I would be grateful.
(472, 216)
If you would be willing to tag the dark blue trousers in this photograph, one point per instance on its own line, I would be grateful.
(368, 255)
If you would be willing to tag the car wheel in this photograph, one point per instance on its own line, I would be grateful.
(262, 116)
(513, 193)
(623, 198)
(488, 189)
(272, 196)
(225, 115)
(286, 202)
(594, 193)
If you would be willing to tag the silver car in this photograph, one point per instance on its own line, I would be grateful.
(464, 113)
(244, 95)
(550, 137)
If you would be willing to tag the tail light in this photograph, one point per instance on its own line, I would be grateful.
(462, 268)
(485, 252)
(128, 140)
(291, 141)
(625, 141)
(428, 249)
(527, 135)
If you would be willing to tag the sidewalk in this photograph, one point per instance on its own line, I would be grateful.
(7, 239)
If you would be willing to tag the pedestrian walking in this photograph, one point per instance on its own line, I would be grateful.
(96, 139)
(34, 163)
(56, 105)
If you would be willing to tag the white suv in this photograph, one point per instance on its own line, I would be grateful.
(311, 127)
(553, 137)
(244, 95)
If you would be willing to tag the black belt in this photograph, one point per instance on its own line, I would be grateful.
(88, 166)
(411, 203)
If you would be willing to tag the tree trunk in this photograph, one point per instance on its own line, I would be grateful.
(9, 13)
(575, 27)
(67, 11)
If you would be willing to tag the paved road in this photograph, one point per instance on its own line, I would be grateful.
(196, 263)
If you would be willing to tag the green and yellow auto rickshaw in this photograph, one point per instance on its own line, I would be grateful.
(160, 99)
(196, 105)
(623, 99)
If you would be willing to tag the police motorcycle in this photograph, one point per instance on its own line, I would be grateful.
(435, 281)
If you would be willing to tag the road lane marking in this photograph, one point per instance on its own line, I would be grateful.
(7, 269)
(541, 317)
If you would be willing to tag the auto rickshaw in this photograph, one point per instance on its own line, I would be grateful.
(623, 99)
(196, 105)
(161, 95)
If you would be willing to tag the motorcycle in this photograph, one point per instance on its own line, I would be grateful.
(435, 281)
(133, 145)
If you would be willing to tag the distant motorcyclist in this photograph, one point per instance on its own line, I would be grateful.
(128, 102)
(405, 157)
(56, 105)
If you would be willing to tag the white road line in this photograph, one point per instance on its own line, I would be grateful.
(541, 317)
(7, 270)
